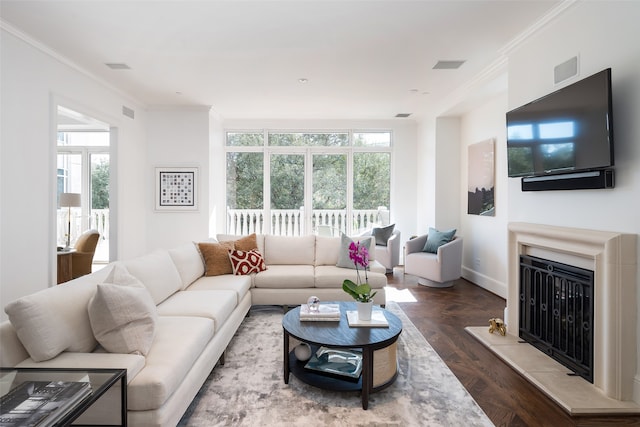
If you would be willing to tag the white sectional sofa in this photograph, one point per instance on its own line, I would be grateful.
(193, 318)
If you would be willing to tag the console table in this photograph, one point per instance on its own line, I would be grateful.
(100, 381)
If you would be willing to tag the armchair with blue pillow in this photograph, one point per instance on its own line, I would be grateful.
(436, 258)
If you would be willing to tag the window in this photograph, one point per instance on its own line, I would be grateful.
(292, 183)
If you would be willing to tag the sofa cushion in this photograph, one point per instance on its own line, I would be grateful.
(437, 238)
(123, 317)
(238, 284)
(286, 250)
(216, 258)
(189, 263)
(327, 250)
(56, 319)
(343, 255)
(285, 276)
(178, 344)
(330, 276)
(382, 234)
(133, 363)
(158, 274)
(215, 305)
(246, 262)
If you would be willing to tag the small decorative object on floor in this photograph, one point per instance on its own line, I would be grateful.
(302, 352)
(496, 324)
(314, 304)
(361, 291)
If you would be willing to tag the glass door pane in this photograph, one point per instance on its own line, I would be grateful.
(371, 188)
(245, 202)
(99, 204)
(287, 194)
(69, 180)
(329, 193)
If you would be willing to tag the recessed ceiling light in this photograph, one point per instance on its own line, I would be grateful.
(117, 66)
(303, 80)
(448, 65)
(403, 115)
(413, 90)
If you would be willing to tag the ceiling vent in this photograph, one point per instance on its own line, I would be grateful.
(448, 65)
(117, 66)
(403, 114)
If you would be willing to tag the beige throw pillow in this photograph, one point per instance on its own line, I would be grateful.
(123, 315)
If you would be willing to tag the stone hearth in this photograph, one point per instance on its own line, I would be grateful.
(613, 259)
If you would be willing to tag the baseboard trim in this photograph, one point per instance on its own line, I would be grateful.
(485, 282)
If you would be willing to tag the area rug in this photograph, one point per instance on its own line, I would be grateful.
(248, 390)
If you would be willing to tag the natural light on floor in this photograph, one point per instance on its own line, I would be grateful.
(398, 295)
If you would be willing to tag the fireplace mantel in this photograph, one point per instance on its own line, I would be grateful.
(613, 258)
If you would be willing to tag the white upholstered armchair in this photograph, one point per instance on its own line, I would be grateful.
(389, 255)
(437, 270)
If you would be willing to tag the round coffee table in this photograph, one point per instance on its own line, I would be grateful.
(378, 345)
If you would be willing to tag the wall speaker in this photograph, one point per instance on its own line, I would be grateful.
(604, 178)
(567, 69)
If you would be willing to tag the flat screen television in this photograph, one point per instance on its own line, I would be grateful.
(567, 131)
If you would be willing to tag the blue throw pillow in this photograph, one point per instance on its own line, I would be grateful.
(382, 234)
(436, 238)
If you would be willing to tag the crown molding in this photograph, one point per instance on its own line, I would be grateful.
(37, 44)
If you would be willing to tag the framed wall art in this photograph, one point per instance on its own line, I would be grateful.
(176, 188)
(481, 191)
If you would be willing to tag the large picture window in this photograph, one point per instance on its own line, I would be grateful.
(296, 183)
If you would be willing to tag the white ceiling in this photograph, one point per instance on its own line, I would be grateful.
(363, 59)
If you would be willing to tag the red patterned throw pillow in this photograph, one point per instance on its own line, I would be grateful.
(246, 262)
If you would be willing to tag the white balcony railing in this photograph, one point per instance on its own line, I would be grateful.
(291, 222)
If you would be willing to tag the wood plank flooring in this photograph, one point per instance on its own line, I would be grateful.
(506, 397)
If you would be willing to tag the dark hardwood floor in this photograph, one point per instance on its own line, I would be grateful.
(505, 396)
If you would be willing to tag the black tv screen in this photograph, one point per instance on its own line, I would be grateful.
(570, 130)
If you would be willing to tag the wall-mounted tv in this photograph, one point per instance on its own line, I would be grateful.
(567, 131)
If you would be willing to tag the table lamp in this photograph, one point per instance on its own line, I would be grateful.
(69, 200)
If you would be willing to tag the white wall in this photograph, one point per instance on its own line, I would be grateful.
(178, 137)
(426, 176)
(602, 37)
(403, 167)
(485, 237)
(32, 82)
(603, 34)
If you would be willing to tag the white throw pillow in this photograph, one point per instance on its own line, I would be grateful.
(343, 256)
(123, 315)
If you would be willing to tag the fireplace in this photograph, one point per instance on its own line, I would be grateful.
(556, 312)
(615, 367)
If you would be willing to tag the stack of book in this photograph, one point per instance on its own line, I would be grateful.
(325, 313)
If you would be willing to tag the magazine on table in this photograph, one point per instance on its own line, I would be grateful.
(41, 403)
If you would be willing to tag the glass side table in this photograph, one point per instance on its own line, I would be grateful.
(28, 390)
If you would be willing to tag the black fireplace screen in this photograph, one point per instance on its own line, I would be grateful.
(556, 312)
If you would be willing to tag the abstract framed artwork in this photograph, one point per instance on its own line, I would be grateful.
(176, 188)
(481, 190)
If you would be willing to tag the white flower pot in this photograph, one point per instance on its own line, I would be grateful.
(364, 310)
